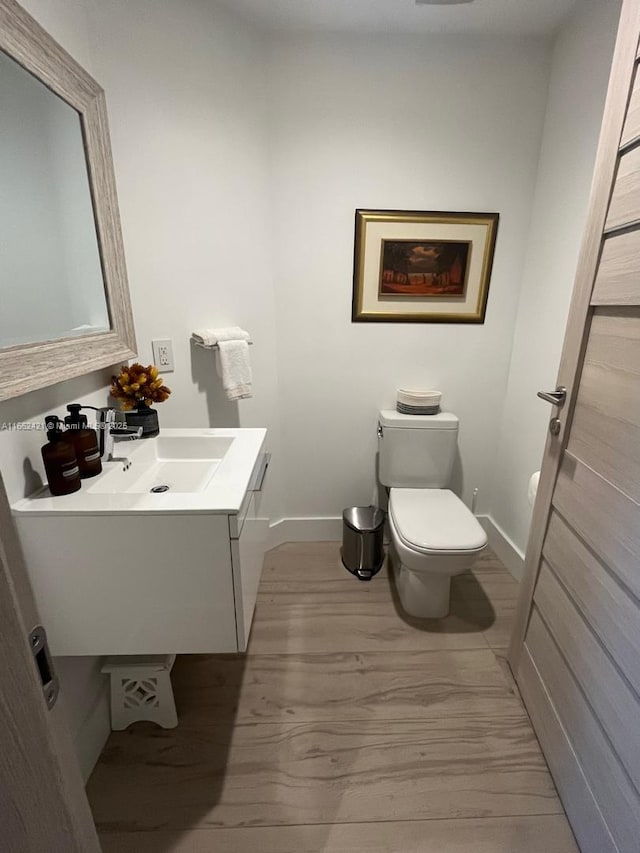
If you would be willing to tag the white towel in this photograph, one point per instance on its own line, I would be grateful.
(210, 337)
(234, 368)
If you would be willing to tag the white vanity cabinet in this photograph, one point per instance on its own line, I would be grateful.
(161, 582)
(248, 533)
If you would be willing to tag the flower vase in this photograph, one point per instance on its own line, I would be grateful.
(145, 417)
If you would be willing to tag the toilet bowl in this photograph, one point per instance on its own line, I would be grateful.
(434, 537)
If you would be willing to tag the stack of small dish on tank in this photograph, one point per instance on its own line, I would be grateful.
(410, 402)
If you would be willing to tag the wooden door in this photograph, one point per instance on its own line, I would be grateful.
(576, 646)
(43, 807)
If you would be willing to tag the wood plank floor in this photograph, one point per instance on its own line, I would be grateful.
(347, 727)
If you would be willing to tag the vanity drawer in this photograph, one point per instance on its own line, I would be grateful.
(256, 483)
(145, 601)
(247, 557)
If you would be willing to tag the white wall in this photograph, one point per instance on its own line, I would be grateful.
(186, 94)
(444, 123)
(579, 77)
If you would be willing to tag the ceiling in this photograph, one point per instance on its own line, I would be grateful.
(513, 17)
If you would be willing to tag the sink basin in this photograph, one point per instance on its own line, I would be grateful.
(181, 470)
(169, 464)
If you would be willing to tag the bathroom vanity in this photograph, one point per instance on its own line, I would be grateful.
(161, 553)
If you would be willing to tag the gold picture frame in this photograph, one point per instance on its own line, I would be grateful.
(422, 266)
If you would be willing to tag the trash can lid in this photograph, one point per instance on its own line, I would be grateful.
(363, 518)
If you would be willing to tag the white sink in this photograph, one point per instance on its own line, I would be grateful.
(167, 464)
(203, 470)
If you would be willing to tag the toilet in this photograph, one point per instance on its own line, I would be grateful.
(434, 535)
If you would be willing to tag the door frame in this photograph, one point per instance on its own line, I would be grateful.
(580, 311)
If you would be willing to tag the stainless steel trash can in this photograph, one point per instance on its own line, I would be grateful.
(362, 541)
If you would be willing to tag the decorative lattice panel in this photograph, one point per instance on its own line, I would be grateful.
(140, 693)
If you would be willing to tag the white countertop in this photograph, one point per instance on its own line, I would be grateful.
(223, 494)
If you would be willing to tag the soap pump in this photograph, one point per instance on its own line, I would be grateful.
(60, 461)
(84, 441)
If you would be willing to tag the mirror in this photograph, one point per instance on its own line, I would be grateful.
(50, 275)
(64, 299)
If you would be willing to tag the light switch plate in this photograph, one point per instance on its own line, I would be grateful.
(163, 355)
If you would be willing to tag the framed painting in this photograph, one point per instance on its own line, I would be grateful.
(422, 266)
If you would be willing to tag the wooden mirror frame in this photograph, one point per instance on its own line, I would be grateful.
(27, 367)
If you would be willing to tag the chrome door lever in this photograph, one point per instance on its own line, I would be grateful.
(556, 398)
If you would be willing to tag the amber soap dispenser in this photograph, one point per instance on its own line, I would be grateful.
(60, 461)
(84, 441)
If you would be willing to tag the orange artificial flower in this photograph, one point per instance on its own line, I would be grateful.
(139, 386)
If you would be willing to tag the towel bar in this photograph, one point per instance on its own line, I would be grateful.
(212, 346)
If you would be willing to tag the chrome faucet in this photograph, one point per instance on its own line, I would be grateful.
(108, 436)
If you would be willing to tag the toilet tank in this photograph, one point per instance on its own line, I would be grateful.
(416, 451)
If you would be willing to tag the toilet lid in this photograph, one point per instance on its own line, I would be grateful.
(435, 521)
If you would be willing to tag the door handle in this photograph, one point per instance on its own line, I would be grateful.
(258, 479)
(556, 398)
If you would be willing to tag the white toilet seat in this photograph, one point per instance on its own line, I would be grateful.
(434, 537)
(434, 522)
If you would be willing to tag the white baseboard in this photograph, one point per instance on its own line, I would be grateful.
(305, 529)
(322, 529)
(505, 549)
